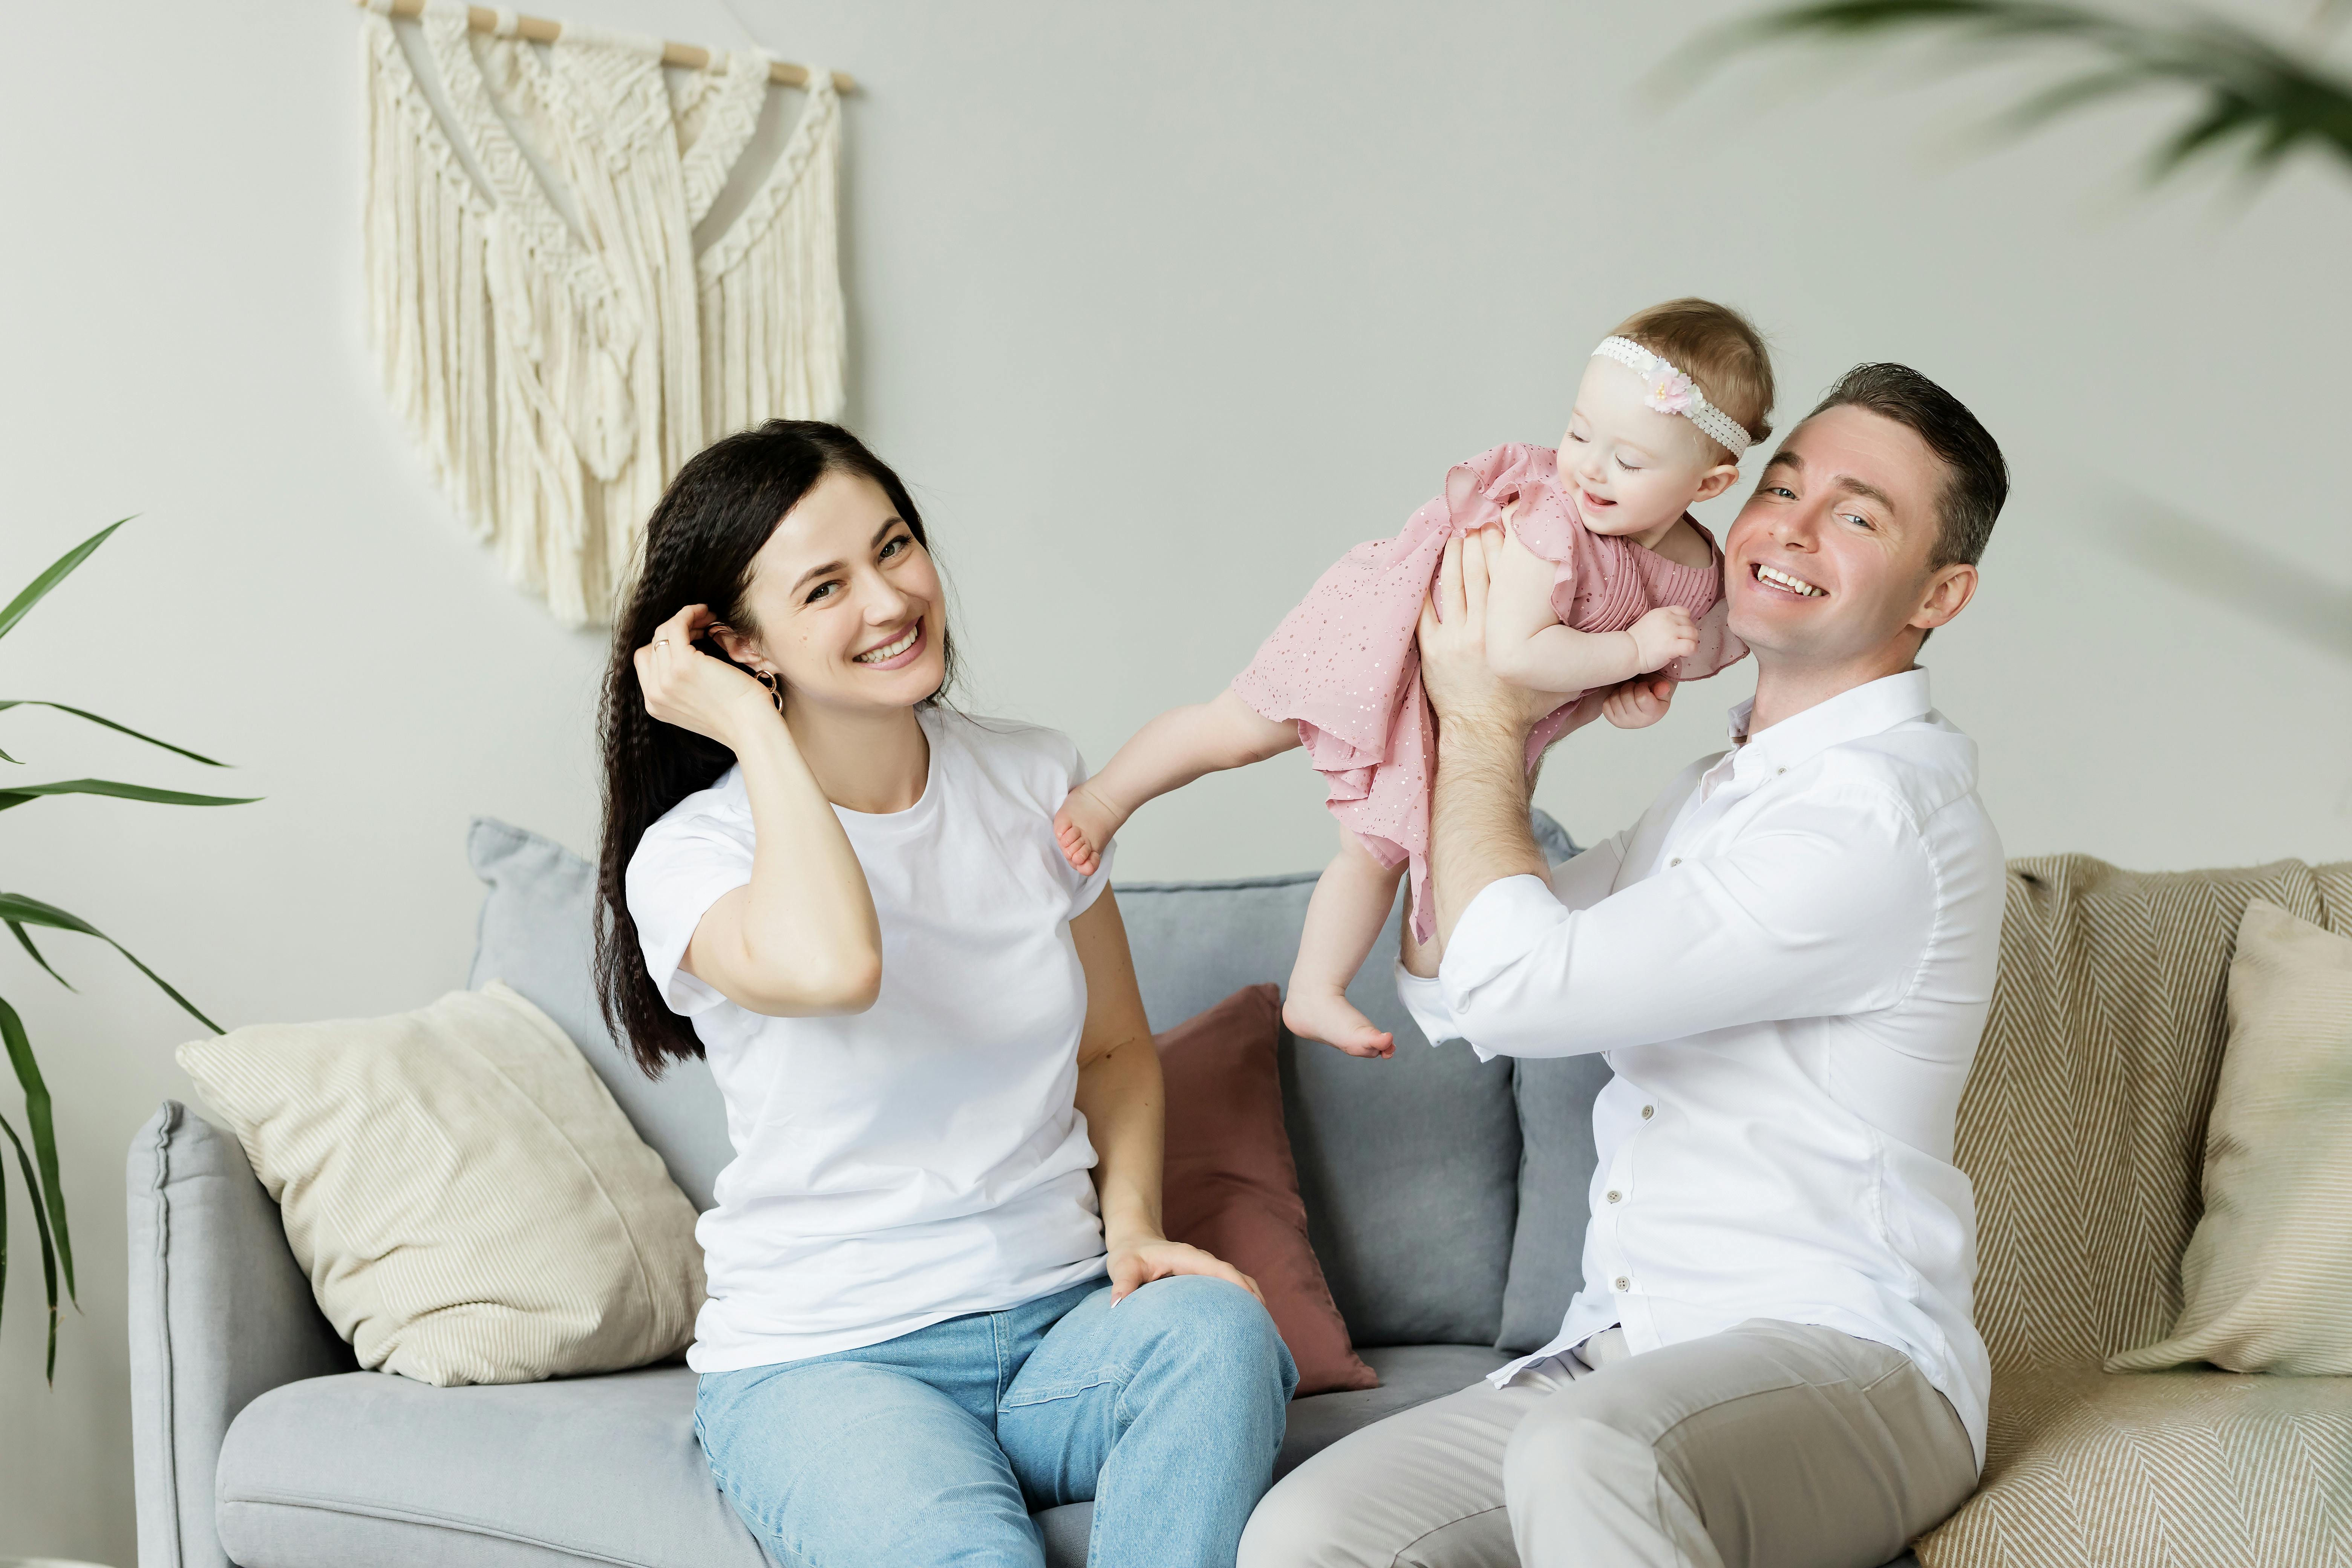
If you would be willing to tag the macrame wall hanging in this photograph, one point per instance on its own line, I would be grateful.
(574, 285)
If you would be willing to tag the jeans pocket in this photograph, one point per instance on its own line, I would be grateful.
(1064, 1388)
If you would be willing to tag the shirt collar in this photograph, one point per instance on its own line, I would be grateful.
(1870, 708)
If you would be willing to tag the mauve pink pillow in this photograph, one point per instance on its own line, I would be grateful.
(1231, 1187)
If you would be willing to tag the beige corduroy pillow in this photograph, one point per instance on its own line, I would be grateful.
(470, 1205)
(2266, 1282)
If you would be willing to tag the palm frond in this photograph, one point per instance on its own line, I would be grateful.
(49, 1247)
(24, 941)
(41, 1121)
(2257, 96)
(96, 718)
(34, 912)
(60, 570)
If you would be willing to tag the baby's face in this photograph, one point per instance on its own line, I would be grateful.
(1633, 470)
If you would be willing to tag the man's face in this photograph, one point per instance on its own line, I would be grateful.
(1827, 564)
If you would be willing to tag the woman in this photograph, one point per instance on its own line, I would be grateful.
(926, 1317)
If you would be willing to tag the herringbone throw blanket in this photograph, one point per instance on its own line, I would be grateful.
(2083, 1127)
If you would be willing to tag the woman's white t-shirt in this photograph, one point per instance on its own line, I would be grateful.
(925, 1158)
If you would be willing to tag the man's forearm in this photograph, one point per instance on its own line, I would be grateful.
(1479, 832)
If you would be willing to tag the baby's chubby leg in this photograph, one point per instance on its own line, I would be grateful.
(1167, 754)
(1351, 903)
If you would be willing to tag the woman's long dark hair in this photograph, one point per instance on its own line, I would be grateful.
(699, 549)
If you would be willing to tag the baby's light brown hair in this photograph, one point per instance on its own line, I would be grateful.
(1717, 347)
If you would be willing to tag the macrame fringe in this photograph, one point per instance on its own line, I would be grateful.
(555, 369)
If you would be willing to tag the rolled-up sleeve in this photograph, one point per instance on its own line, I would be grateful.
(1824, 911)
(1578, 882)
(683, 866)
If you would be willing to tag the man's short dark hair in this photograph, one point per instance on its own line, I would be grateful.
(1977, 478)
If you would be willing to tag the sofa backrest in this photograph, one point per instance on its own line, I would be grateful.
(1410, 1168)
(2083, 1124)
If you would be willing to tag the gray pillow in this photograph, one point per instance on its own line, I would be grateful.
(1556, 1159)
(535, 935)
(1411, 1169)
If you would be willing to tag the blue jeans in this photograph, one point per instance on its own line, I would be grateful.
(930, 1450)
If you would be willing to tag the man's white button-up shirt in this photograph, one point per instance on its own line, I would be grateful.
(1787, 962)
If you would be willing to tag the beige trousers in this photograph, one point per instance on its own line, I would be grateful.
(1770, 1444)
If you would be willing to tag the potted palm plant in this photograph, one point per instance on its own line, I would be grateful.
(35, 1148)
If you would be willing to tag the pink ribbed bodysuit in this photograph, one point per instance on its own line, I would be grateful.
(1345, 666)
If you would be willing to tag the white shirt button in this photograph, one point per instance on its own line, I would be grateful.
(1675, 861)
(1624, 1283)
(1614, 1196)
(1648, 1111)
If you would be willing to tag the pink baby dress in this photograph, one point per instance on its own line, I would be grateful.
(1344, 665)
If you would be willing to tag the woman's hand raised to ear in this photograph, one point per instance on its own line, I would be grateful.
(801, 939)
(687, 687)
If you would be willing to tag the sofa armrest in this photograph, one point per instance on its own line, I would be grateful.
(220, 1313)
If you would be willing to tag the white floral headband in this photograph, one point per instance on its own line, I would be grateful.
(1669, 391)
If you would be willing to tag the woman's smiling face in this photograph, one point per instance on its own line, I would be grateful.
(845, 603)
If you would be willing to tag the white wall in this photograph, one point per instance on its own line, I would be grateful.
(1159, 309)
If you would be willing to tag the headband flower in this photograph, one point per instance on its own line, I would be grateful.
(1670, 391)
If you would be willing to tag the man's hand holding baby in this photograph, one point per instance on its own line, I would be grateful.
(1463, 687)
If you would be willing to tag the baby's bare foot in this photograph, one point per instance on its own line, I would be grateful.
(1329, 1016)
(1083, 827)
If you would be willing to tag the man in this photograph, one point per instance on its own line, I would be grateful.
(1787, 960)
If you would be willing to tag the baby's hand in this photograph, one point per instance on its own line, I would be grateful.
(1638, 703)
(1663, 635)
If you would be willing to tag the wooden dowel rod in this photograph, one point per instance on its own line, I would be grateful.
(690, 56)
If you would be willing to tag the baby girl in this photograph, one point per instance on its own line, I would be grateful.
(1604, 576)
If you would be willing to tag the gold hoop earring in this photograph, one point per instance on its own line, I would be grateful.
(775, 688)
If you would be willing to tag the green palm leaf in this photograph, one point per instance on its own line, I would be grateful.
(2266, 99)
(7, 703)
(48, 1249)
(24, 940)
(17, 794)
(33, 912)
(42, 1124)
(60, 570)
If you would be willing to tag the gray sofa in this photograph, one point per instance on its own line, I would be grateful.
(1446, 1199)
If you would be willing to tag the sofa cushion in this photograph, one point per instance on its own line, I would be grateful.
(2083, 1123)
(2266, 1283)
(1230, 1186)
(364, 1467)
(2218, 1469)
(469, 1204)
(1557, 1157)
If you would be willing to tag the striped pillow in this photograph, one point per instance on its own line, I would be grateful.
(469, 1204)
(2266, 1281)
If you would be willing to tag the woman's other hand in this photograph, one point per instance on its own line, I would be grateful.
(1135, 1264)
(687, 687)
